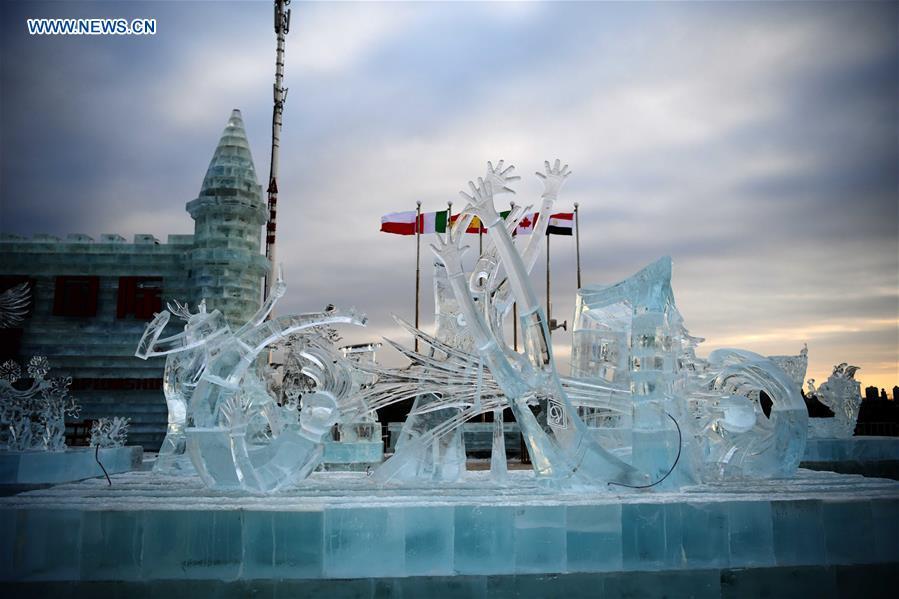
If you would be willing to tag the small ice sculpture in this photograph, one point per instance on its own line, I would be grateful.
(109, 432)
(54, 404)
(842, 394)
(33, 408)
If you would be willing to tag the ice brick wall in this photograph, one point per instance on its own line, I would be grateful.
(315, 534)
(97, 351)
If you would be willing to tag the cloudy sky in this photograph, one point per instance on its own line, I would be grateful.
(755, 143)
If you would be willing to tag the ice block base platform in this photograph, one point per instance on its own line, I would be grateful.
(869, 456)
(75, 463)
(147, 528)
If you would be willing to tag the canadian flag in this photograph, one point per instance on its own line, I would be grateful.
(526, 224)
(561, 223)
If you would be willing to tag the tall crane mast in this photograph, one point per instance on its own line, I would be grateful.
(282, 26)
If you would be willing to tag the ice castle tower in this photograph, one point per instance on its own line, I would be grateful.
(226, 266)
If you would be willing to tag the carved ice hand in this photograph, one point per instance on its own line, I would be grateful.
(553, 178)
(449, 249)
(480, 202)
(500, 178)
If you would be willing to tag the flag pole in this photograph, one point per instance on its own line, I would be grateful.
(514, 305)
(548, 304)
(577, 244)
(417, 263)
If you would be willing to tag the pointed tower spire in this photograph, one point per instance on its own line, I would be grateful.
(229, 213)
(232, 163)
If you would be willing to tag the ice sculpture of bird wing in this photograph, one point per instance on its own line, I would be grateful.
(14, 305)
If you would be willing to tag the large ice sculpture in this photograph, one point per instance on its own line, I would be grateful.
(842, 394)
(640, 409)
(234, 431)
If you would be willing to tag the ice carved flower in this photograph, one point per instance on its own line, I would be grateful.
(38, 367)
(10, 371)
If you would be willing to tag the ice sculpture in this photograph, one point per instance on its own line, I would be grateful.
(794, 366)
(640, 409)
(631, 335)
(558, 442)
(494, 297)
(33, 414)
(842, 394)
(313, 363)
(14, 305)
(109, 432)
(234, 431)
(636, 380)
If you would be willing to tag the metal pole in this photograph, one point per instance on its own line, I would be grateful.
(515, 326)
(577, 244)
(514, 309)
(282, 26)
(548, 305)
(417, 263)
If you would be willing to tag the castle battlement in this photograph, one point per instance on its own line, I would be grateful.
(141, 240)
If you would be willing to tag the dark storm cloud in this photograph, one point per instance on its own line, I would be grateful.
(753, 142)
